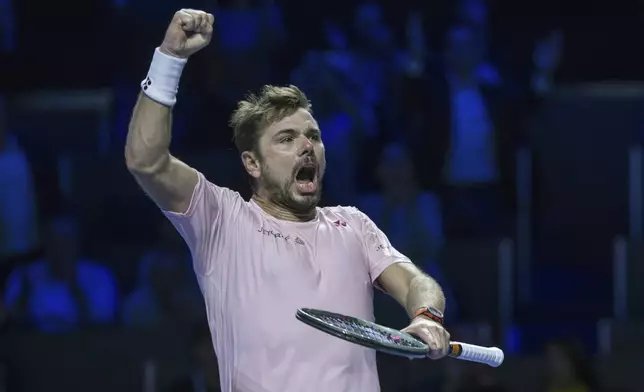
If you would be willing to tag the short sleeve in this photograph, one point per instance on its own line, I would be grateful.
(379, 252)
(201, 225)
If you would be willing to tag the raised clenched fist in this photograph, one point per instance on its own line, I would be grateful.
(189, 32)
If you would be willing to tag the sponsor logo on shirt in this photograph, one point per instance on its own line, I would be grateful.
(276, 234)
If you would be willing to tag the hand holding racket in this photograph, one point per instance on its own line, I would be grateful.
(391, 341)
(432, 334)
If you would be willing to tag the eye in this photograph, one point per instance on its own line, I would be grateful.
(316, 137)
(287, 139)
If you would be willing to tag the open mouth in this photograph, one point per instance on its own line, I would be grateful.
(306, 173)
(305, 179)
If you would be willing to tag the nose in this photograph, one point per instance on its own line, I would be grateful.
(307, 147)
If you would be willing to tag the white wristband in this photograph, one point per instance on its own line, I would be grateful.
(162, 83)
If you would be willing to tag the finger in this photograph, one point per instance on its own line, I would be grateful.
(203, 27)
(211, 19)
(444, 339)
(437, 342)
(186, 20)
(198, 17)
(415, 332)
(427, 337)
(444, 346)
(208, 31)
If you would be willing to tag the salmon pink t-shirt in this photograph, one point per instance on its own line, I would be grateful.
(255, 271)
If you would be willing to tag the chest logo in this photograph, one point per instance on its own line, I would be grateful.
(276, 234)
(340, 223)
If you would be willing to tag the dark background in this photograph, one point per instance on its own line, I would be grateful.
(549, 253)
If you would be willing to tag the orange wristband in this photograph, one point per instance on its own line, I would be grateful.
(430, 313)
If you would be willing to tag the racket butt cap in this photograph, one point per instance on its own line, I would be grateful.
(499, 357)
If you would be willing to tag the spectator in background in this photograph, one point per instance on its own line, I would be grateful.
(7, 27)
(410, 217)
(204, 372)
(18, 216)
(568, 368)
(61, 292)
(248, 41)
(249, 35)
(164, 294)
(474, 13)
(469, 138)
(546, 59)
(377, 67)
(326, 76)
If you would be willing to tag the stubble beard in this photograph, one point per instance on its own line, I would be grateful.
(283, 193)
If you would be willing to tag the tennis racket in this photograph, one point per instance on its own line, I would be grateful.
(391, 341)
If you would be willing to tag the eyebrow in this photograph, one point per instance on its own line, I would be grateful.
(291, 131)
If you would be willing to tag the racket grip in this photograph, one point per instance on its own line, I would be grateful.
(492, 356)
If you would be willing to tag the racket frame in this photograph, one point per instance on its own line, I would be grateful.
(308, 316)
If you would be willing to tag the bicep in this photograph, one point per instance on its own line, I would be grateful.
(172, 187)
(396, 280)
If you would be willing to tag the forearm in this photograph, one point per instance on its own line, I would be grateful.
(149, 135)
(168, 181)
(424, 291)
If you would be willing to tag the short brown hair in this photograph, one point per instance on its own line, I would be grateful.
(257, 111)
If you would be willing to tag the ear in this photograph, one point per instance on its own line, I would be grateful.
(251, 164)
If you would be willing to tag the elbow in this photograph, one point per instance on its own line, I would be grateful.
(130, 161)
(144, 163)
(133, 164)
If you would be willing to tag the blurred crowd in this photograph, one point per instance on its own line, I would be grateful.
(421, 112)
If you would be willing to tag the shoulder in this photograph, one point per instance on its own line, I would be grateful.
(209, 195)
(207, 186)
(349, 214)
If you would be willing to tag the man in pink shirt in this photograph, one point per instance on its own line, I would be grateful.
(258, 261)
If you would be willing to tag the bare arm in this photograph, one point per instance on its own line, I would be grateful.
(412, 288)
(167, 180)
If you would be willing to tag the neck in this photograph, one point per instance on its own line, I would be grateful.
(281, 211)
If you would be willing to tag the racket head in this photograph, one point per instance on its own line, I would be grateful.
(364, 333)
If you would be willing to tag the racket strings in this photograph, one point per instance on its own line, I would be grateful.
(368, 332)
